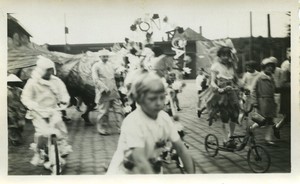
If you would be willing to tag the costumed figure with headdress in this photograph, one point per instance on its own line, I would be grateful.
(222, 96)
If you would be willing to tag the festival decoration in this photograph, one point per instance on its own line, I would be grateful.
(186, 70)
(178, 45)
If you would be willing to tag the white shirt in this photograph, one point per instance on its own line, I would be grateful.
(222, 71)
(140, 131)
(249, 79)
(286, 66)
(199, 80)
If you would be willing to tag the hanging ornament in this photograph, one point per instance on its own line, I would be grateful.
(133, 27)
(165, 19)
(144, 26)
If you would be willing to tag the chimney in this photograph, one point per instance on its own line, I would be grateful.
(200, 30)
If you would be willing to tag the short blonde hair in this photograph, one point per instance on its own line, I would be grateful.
(143, 84)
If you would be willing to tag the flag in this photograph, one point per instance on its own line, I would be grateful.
(66, 30)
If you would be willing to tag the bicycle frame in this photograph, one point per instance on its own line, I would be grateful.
(244, 142)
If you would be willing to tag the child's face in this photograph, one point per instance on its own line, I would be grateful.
(249, 69)
(49, 72)
(269, 69)
(153, 102)
(224, 58)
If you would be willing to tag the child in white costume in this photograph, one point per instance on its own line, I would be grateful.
(43, 95)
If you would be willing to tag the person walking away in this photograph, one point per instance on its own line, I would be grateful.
(146, 130)
(43, 95)
(263, 100)
(107, 95)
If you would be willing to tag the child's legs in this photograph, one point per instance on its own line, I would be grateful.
(269, 130)
(102, 117)
(118, 110)
(58, 126)
(225, 126)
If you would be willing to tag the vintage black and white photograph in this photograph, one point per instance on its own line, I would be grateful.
(134, 91)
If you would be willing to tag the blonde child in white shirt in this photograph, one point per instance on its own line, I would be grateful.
(146, 130)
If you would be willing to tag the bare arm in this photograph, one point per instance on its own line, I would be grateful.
(185, 157)
(213, 80)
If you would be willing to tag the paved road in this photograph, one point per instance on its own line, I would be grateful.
(92, 152)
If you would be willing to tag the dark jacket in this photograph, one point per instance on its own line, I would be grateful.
(263, 95)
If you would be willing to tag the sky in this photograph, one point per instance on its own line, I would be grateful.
(107, 26)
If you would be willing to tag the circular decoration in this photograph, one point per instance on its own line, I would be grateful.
(178, 42)
(144, 26)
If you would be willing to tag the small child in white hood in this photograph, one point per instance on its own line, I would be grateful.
(43, 95)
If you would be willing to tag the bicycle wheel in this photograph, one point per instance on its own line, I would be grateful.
(179, 165)
(56, 167)
(258, 159)
(211, 145)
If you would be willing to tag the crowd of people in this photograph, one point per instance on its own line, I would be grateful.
(231, 98)
(142, 91)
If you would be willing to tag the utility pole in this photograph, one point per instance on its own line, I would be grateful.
(66, 29)
(269, 26)
(251, 35)
(67, 48)
(269, 35)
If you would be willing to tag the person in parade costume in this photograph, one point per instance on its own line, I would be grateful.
(222, 97)
(146, 130)
(107, 96)
(43, 95)
(263, 99)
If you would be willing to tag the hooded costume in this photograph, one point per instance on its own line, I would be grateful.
(43, 98)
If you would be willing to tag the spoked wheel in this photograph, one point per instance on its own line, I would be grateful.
(56, 168)
(211, 145)
(258, 159)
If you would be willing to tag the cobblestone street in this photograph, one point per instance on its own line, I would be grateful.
(93, 152)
